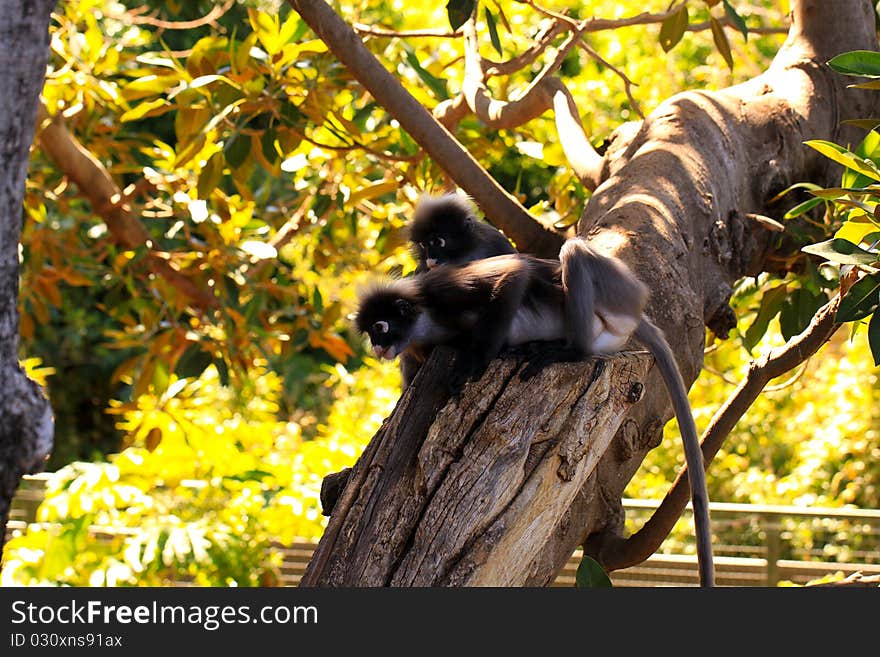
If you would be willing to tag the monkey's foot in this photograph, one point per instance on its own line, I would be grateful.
(331, 489)
(556, 352)
(530, 350)
(465, 369)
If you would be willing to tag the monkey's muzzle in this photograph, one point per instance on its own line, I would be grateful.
(387, 353)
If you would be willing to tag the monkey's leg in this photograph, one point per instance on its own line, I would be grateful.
(489, 333)
(547, 353)
(331, 489)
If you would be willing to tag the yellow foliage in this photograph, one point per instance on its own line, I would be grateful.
(226, 481)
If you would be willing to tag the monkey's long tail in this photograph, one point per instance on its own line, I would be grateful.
(652, 337)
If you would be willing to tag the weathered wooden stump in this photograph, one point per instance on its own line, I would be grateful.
(475, 490)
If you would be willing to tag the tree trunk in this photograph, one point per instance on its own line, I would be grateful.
(500, 487)
(25, 415)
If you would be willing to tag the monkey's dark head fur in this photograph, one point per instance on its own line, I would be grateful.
(387, 313)
(442, 229)
(445, 230)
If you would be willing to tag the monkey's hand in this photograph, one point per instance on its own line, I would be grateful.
(547, 353)
(468, 367)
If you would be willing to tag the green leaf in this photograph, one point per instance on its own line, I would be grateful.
(842, 251)
(802, 208)
(736, 19)
(861, 300)
(237, 149)
(798, 310)
(267, 145)
(210, 175)
(771, 303)
(864, 124)
(192, 363)
(869, 147)
(459, 11)
(801, 185)
(848, 159)
(721, 42)
(872, 84)
(591, 575)
(436, 85)
(673, 28)
(493, 31)
(857, 62)
(833, 193)
(874, 337)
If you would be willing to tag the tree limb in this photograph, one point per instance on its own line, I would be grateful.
(582, 157)
(501, 208)
(616, 553)
(26, 423)
(137, 16)
(97, 185)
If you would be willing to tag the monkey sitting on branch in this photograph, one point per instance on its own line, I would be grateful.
(592, 301)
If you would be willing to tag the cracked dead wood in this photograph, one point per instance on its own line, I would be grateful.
(469, 491)
(26, 426)
(677, 201)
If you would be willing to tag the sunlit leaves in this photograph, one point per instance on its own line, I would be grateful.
(459, 11)
(721, 42)
(673, 28)
(860, 300)
(845, 157)
(590, 574)
(272, 34)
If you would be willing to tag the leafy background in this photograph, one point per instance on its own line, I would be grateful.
(265, 174)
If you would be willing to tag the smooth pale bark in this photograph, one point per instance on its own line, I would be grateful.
(502, 487)
(26, 426)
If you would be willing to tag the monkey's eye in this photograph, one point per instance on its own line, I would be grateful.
(381, 327)
(438, 242)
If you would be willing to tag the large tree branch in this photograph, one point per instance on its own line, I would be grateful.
(26, 425)
(675, 203)
(544, 92)
(501, 208)
(690, 182)
(97, 185)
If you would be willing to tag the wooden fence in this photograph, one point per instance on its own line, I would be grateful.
(754, 545)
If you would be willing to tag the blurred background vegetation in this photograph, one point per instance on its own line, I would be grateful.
(266, 175)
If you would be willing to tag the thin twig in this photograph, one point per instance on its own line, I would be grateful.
(136, 16)
(627, 83)
(371, 30)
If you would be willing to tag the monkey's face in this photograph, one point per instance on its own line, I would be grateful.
(389, 322)
(440, 249)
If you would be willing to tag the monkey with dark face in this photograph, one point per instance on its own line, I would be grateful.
(462, 306)
(445, 230)
(592, 301)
